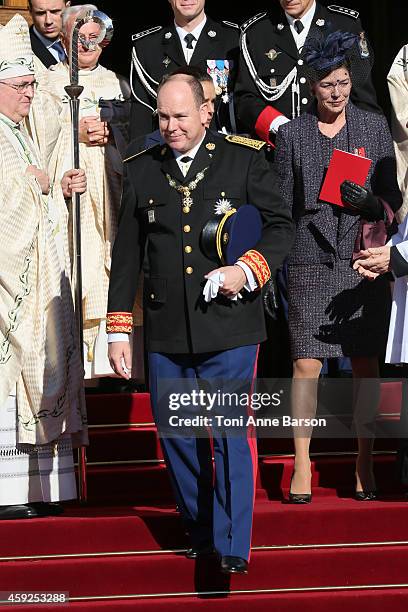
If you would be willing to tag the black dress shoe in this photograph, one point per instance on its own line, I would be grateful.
(20, 511)
(194, 552)
(47, 508)
(234, 565)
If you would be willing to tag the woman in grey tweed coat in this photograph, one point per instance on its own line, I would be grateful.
(332, 311)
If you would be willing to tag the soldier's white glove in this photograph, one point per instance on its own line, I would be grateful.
(213, 285)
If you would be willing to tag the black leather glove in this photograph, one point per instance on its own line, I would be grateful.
(270, 299)
(362, 201)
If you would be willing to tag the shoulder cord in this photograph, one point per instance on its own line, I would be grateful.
(143, 76)
(269, 93)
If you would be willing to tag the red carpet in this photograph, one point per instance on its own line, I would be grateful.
(167, 573)
(378, 600)
(147, 482)
(328, 520)
(124, 550)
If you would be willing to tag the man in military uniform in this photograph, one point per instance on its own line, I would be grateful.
(192, 39)
(153, 138)
(197, 327)
(272, 85)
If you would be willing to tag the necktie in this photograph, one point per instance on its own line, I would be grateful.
(298, 25)
(57, 45)
(186, 161)
(189, 38)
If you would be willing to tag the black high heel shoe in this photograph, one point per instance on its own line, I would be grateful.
(365, 495)
(369, 494)
(299, 498)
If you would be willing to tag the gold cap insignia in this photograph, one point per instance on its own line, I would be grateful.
(210, 146)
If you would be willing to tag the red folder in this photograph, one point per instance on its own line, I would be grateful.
(343, 167)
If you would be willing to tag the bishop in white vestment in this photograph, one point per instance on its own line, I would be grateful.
(42, 409)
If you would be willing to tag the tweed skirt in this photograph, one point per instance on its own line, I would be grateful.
(335, 313)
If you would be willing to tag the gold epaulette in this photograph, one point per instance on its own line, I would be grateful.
(246, 142)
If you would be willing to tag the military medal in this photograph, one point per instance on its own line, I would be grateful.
(364, 50)
(219, 72)
(272, 54)
(222, 206)
(187, 200)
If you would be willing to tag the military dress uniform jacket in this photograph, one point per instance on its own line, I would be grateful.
(158, 51)
(268, 61)
(177, 319)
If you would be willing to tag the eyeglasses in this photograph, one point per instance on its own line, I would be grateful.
(331, 87)
(21, 87)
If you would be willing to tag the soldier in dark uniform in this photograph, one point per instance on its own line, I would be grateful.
(170, 193)
(272, 85)
(193, 39)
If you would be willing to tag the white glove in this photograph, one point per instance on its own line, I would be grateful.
(212, 286)
(276, 123)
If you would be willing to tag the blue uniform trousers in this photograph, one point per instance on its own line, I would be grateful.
(216, 504)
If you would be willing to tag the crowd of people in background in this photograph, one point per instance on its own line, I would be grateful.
(215, 119)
